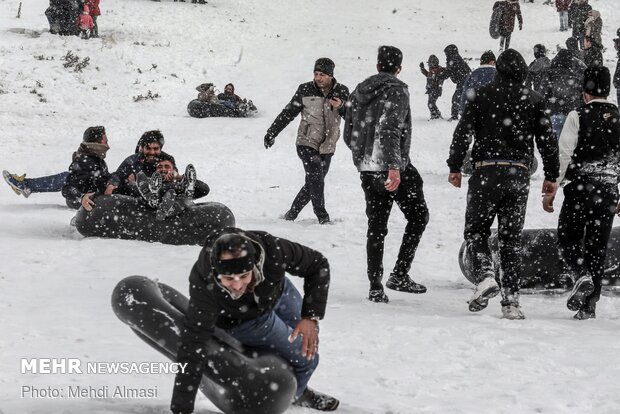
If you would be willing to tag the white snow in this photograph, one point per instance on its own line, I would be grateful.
(417, 354)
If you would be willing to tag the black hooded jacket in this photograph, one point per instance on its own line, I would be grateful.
(456, 68)
(505, 119)
(562, 85)
(377, 128)
(211, 305)
(88, 173)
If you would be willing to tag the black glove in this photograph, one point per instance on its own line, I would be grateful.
(269, 140)
(421, 65)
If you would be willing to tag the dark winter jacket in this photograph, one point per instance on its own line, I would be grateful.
(505, 119)
(88, 173)
(481, 76)
(456, 68)
(536, 73)
(597, 154)
(320, 122)
(563, 83)
(562, 5)
(578, 13)
(211, 305)
(133, 165)
(378, 124)
(434, 79)
(617, 74)
(593, 56)
(507, 22)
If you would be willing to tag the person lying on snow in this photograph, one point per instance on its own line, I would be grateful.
(234, 101)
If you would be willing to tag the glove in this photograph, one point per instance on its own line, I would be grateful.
(269, 140)
(421, 65)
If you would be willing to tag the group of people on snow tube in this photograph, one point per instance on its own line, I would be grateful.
(209, 103)
(149, 174)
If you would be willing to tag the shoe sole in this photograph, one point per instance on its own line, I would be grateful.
(482, 301)
(17, 190)
(398, 288)
(578, 296)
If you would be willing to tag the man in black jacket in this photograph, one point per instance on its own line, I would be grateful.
(322, 106)
(88, 173)
(380, 151)
(590, 161)
(239, 284)
(504, 119)
(458, 71)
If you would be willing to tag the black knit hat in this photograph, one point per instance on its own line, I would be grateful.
(325, 65)
(433, 60)
(597, 81)
(487, 57)
(389, 58)
(240, 247)
(93, 134)
(540, 51)
(511, 65)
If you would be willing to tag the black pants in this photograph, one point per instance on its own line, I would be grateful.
(432, 104)
(500, 191)
(410, 199)
(316, 166)
(456, 101)
(588, 210)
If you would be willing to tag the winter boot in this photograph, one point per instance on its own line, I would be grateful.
(582, 289)
(485, 290)
(189, 181)
(166, 205)
(316, 400)
(324, 220)
(149, 188)
(16, 182)
(377, 296)
(587, 312)
(404, 284)
(512, 312)
(290, 215)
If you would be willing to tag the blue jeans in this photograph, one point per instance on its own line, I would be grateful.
(270, 332)
(557, 122)
(47, 184)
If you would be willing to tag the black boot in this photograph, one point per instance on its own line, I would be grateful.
(316, 400)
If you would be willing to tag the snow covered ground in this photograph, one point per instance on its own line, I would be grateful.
(418, 354)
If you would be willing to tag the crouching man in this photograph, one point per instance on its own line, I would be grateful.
(239, 285)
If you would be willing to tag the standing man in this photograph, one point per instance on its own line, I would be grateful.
(482, 75)
(239, 285)
(499, 186)
(378, 132)
(322, 106)
(590, 161)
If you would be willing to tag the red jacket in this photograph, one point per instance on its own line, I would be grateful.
(93, 5)
(562, 5)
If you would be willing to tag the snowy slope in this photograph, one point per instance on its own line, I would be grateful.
(419, 354)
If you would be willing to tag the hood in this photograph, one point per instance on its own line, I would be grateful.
(511, 66)
(451, 50)
(257, 272)
(376, 85)
(562, 59)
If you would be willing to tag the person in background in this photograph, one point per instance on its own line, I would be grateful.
(562, 7)
(482, 75)
(434, 84)
(538, 68)
(507, 23)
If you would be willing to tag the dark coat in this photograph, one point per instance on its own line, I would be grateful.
(519, 120)
(563, 83)
(88, 173)
(593, 56)
(562, 5)
(578, 13)
(507, 22)
(456, 68)
(479, 77)
(617, 74)
(133, 165)
(434, 79)
(536, 73)
(378, 124)
(211, 305)
(320, 123)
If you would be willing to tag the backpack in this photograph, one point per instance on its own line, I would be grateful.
(496, 18)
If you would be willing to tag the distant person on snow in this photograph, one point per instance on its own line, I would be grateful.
(234, 101)
(434, 84)
(88, 173)
(578, 14)
(321, 103)
(507, 22)
(93, 7)
(562, 7)
(538, 69)
(482, 75)
(378, 133)
(590, 162)
(592, 52)
(239, 284)
(499, 186)
(457, 70)
(594, 26)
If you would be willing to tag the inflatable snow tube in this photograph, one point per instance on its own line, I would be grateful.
(234, 380)
(201, 109)
(496, 18)
(541, 266)
(468, 169)
(124, 217)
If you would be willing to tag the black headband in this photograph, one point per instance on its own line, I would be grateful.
(234, 266)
